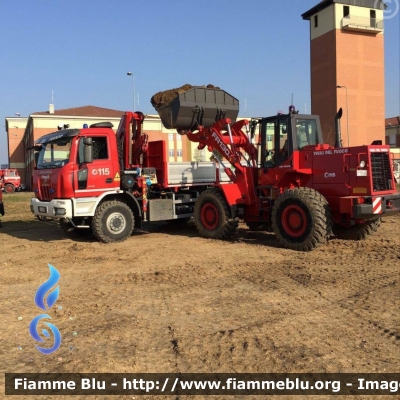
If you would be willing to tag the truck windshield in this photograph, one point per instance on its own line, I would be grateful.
(10, 173)
(54, 154)
(307, 132)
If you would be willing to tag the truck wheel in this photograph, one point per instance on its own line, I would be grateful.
(301, 219)
(8, 188)
(74, 233)
(113, 222)
(212, 216)
(356, 232)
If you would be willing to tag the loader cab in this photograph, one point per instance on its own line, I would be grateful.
(282, 134)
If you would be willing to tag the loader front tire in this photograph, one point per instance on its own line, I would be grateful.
(212, 216)
(301, 219)
(113, 222)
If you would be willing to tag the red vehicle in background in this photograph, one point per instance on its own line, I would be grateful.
(2, 211)
(10, 180)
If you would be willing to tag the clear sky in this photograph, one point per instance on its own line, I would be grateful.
(81, 50)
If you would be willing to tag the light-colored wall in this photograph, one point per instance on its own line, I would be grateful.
(331, 17)
(362, 12)
(326, 22)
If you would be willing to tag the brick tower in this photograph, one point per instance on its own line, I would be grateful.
(347, 68)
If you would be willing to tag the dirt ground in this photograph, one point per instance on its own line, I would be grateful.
(168, 301)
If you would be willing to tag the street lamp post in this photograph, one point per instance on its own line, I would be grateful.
(347, 114)
(133, 90)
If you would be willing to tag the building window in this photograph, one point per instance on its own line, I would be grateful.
(171, 137)
(179, 153)
(171, 153)
(372, 14)
(315, 21)
(178, 137)
(392, 140)
(346, 11)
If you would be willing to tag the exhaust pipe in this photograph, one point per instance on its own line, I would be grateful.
(338, 132)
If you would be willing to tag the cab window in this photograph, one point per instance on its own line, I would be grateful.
(283, 142)
(269, 144)
(307, 132)
(100, 149)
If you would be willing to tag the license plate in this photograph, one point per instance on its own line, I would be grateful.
(42, 209)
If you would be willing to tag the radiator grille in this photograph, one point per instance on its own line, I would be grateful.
(45, 193)
(381, 172)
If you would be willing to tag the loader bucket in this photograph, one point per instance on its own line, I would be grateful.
(198, 106)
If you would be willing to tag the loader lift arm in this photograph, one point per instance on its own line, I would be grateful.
(228, 141)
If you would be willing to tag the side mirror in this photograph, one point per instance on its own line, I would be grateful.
(87, 150)
(36, 158)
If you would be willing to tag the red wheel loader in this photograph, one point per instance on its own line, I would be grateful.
(287, 181)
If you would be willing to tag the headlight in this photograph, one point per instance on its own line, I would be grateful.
(362, 164)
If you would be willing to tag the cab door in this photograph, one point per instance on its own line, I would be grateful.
(276, 147)
(100, 175)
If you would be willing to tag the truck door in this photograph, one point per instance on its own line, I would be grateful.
(99, 176)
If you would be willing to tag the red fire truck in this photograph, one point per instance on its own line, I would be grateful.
(10, 180)
(289, 181)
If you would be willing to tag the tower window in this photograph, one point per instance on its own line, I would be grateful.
(316, 21)
(372, 14)
(346, 11)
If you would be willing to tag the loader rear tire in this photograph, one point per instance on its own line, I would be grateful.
(301, 219)
(113, 222)
(212, 216)
(357, 232)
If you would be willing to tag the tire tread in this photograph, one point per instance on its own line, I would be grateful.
(228, 226)
(322, 224)
(98, 219)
